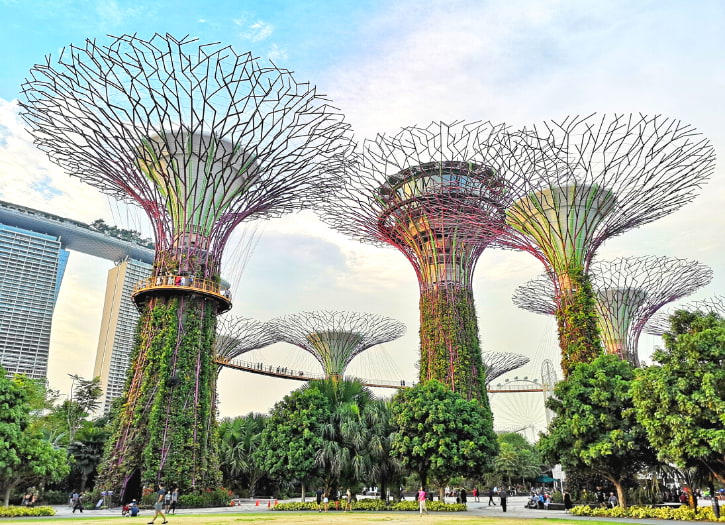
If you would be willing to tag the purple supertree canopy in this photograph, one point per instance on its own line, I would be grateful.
(660, 322)
(199, 136)
(238, 335)
(336, 338)
(498, 363)
(628, 291)
(407, 190)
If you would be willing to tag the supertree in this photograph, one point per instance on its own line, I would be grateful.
(407, 190)
(576, 183)
(498, 363)
(628, 291)
(201, 138)
(335, 338)
(660, 322)
(238, 335)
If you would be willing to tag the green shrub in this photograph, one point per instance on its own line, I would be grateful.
(55, 497)
(15, 512)
(369, 504)
(433, 506)
(683, 513)
(209, 498)
(298, 505)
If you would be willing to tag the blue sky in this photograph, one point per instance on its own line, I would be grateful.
(387, 65)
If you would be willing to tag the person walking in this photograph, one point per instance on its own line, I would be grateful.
(421, 502)
(326, 501)
(174, 500)
(348, 500)
(159, 505)
(319, 500)
(491, 493)
(475, 494)
(503, 495)
(567, 501)
(78, 504)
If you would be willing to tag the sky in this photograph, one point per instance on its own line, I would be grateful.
(389, 64)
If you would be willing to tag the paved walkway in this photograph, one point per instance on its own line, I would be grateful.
(516, 509)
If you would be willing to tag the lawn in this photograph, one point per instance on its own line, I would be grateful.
(298, 518)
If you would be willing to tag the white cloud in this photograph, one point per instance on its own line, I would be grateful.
(276, 54)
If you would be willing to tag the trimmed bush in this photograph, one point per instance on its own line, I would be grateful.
(375, 505)
(16, 512)
(683, 513)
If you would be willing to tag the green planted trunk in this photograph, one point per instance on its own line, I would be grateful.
(576, 317)
(449, 347)
(166, 429)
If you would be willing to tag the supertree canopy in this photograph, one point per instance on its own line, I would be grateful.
(628, 291)
(408, 191)
(238, 335)
(201, 138)
(660, 322)
(498, 363)
(336, 338)
(578, 182)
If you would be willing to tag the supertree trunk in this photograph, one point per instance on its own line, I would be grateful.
(166, 428)
(449, 347)
(576, 319)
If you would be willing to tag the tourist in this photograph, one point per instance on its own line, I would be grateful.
(503, 496)
(159, 504)
(174, 500)
(567, 501)
(348, 500)
(491, 493)
(78, 505)
(421, 502)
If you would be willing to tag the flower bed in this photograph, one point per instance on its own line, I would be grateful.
(16, 512)
(375, 505)
(683, 513)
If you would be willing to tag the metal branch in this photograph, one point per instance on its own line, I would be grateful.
(628, 292)
(200, 137)
(660, 322)
(336, 338)
(498, 363)
(238, 335)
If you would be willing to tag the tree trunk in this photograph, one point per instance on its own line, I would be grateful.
(84, 478)
(620, 492)
(713, 498)
(303, 492)
(6, 496)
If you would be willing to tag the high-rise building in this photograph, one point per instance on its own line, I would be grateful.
(34, 253)
(118, 325)
(31, 270)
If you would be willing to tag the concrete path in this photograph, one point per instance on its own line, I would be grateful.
(516, 509)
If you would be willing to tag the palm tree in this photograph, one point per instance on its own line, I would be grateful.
(87, 451)
(238, 438)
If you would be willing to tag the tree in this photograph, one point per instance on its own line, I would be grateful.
(438, 434)
(87, 450)
(239, 438)
(25, 457)
(517, 458)
(595, 429)
(681, 401)
(292, 436)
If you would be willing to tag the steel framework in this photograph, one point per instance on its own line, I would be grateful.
(238, 335)
(201, 138)
(498, 363)
(407, 191)
(660, 322)
(576, 183)
(628, 292)
(336, 338)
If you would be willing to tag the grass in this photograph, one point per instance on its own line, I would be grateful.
(302, 518)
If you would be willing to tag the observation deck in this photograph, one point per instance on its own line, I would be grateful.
(182, 285)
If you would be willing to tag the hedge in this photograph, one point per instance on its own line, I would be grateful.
(375, 505)
(15, 512)
(683, 513)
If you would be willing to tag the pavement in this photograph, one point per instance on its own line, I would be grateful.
(516, 509)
